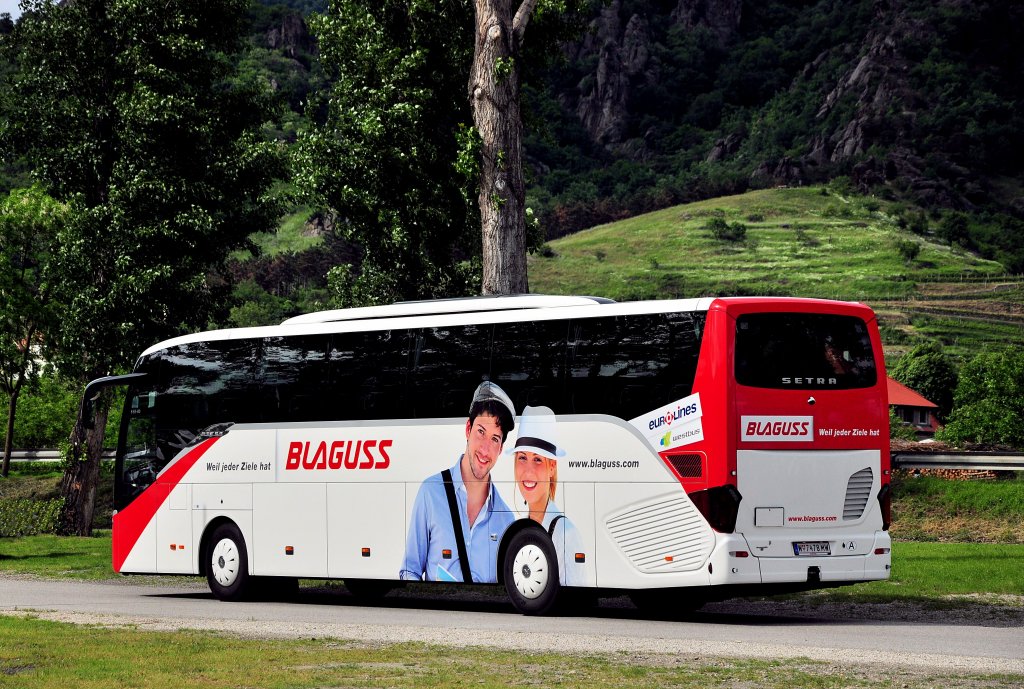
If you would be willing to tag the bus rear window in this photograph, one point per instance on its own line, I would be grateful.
(809, 351)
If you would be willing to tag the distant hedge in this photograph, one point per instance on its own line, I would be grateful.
(22, 517)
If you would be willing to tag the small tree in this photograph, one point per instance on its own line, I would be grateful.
(29, 221)
(908, 249)
(929, 371)
(988, 406)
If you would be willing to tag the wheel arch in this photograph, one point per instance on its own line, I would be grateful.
(204, 541)
(515, 528)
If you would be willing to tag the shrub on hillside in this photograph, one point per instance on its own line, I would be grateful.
(726, 232)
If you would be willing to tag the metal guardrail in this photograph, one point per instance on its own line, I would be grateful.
(44, 455)
(990, 461)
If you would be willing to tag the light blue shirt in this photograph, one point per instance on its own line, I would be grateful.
(568, 542)
(431, 533)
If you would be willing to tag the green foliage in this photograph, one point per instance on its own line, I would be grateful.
(25, 517)
(989, 400)
(130, 111)
(29, 223)
(928, 370)
(386, 155)
(726, 232)
(898, 430)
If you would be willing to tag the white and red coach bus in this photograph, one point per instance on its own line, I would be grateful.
(704, 446)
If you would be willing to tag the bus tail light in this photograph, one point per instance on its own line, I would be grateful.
(885, 503)
(719, 506)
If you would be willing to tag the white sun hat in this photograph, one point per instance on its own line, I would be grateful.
(538, 433)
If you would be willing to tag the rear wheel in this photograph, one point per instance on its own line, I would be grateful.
(227, 563)
(531, 572)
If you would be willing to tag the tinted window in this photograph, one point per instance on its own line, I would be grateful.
(295, 378)
(369, 375)
(445, 367)
(803, 351)
(628, 365)
(529, 363)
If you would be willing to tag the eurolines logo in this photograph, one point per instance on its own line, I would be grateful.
(675, 424)
(683, 411)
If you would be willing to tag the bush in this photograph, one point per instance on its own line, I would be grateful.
(908, 249)
(22, 517)
(726, 232)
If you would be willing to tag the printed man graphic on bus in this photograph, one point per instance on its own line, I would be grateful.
(458, 517)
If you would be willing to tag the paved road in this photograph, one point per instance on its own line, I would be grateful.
(985, 640)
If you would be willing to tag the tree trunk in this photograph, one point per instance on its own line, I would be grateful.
(82, 475)
(12, 408)
(494, 97)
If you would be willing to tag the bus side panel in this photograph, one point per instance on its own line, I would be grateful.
(174, 545)
(366, 529)
(141, 558)
(290, 529)
(650, 535)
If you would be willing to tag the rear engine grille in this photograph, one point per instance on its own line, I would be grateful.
(858, 491)
(687, 466)
(666, 535)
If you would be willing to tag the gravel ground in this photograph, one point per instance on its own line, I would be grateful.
(1006, 611)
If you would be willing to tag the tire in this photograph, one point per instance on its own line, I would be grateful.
(227, 563)
(531, 572)
(368, 589)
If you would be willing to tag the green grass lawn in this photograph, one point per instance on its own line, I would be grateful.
(920, 570)
(36, 654)
(799, 243)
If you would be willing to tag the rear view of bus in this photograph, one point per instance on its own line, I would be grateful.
(808, 440)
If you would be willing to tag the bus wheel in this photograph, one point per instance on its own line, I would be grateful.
(227, 564)
(531, 572)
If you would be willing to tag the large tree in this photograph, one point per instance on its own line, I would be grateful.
(383, 149)
(130, 109)
(494, 92)
(393, 152)
(29, 220)
(929, 371)
(988, 406)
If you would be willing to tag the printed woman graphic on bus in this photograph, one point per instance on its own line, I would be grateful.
(536, 454)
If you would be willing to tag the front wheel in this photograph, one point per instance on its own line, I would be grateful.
(531, 572)
(227, 563)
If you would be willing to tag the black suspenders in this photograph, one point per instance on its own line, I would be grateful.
(460, 540)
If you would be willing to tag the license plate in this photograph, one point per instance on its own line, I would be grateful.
(812, 548)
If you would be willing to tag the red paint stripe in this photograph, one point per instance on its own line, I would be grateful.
(130, 522)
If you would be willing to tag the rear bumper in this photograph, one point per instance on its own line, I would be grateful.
(729, 566)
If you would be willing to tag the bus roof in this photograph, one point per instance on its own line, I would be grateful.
(482, 310)
(435, 307)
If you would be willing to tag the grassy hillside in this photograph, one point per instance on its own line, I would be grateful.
(805, 242)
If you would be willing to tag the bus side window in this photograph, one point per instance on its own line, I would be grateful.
(446, 365)
(369, 374)
(627, 366)
(529, 363)
(295, 381)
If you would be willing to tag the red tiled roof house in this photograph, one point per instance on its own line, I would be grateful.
(913, 409)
